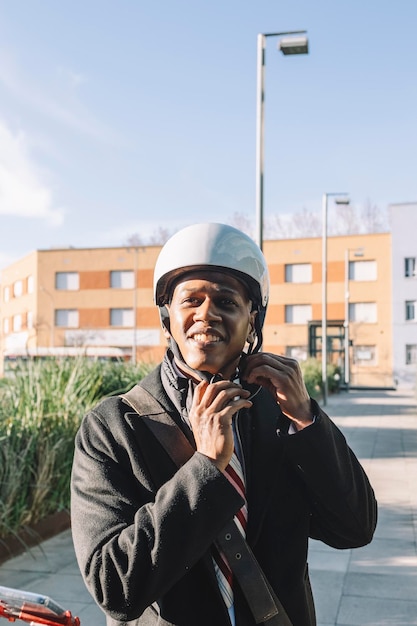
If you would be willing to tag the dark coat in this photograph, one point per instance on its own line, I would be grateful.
(143, 529)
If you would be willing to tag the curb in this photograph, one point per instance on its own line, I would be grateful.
(14, 544)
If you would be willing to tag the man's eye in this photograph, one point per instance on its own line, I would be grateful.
(227, 302)
(191, 301)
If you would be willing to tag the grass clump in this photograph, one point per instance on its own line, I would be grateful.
(41, 407)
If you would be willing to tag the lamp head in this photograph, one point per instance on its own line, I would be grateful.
(293, 45)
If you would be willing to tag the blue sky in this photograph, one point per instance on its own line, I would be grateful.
(121, 117)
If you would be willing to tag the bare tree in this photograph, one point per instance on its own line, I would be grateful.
(373, 220)
(278, 227)
(159, 236)
(307, 223)
(134, 241)
(242, 222)
(343, 220)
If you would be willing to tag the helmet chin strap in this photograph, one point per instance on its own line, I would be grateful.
(199, 375)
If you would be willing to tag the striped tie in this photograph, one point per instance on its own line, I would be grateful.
(221, 566)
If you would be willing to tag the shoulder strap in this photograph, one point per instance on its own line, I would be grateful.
(160, 423)
(265, 606)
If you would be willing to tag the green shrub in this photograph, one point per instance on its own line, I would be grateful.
(41, 406)
(311, 369)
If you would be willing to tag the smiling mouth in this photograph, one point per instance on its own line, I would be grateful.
(204, 338)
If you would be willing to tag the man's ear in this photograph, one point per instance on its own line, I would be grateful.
(251, 338)
(164, 317)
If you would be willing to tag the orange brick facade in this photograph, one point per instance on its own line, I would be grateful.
(32, 318)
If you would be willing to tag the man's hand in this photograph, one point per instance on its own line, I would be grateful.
(211, 414)
(283, 378)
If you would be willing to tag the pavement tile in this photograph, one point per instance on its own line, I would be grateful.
(355, 611)
(327, 589)
(392, 586)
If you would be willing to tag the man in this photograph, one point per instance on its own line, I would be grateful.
(145, 530)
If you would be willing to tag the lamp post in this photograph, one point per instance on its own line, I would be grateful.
(293, 42)
(135, 303)
(358, 253)
(52, 326)
(340, 198)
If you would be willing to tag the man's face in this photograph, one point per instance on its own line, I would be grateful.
(211, 321)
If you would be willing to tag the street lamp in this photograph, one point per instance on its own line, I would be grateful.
(358, 252)
(135, 303)
(289, 45)
(340, 198)
(135, 250)
(52, 325)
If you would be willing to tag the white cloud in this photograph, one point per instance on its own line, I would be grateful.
(22, 192)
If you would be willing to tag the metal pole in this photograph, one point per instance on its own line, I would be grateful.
(347, 360)
(260, 107)
(324, 301)
(135, 298)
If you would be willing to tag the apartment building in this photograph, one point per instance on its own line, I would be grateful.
(97, 297)
(404, 293)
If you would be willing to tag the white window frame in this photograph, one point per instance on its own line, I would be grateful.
(122, 279)
(30, 284)
(298, 273)
(17, 323)
(410, 310)
(365, 356)
(299, 353)
(363, 271)
(410, 267)
(298, 313)
(18, 288)
(67, 281)
(6, 294)
(363, 312)
(67, 318)
(6, 326)
(29, 319)
(121, 317)
(411, 354)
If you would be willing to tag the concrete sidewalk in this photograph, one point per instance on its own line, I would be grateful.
(371, 586)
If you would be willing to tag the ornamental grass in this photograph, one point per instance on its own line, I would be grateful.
(41, 407)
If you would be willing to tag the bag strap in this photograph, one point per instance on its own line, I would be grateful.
(265, 606)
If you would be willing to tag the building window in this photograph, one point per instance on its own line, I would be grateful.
(29, 319)
(6, 294)
(18, 288)
(67, 281)
(30, 284)
(121, 317)
(297, 313)
(298, 273)
(67, 318)
(296, 352)
(362, 270)
(364, 312)
(410, 267)
(17, 323)
(6, 326)
(364, 355)
(410, 310)
(411, 354)
(123, 279)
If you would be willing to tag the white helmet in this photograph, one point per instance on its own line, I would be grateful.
(218, 247)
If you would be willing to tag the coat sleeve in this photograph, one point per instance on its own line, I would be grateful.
(133, 539)
(343, 504)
